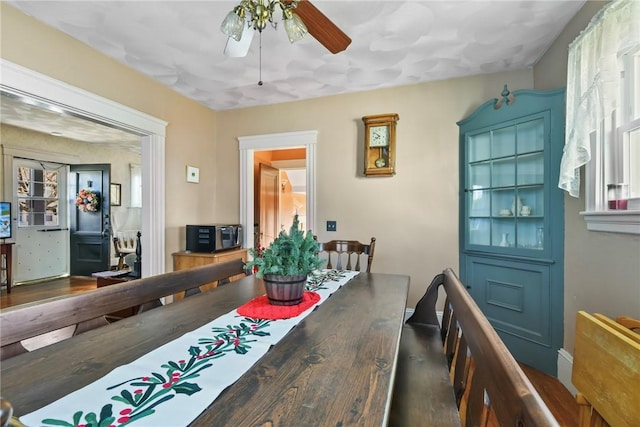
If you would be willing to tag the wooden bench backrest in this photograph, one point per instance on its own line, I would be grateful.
(511, 395)
(32, 319)
(487, 380)
(606, 371)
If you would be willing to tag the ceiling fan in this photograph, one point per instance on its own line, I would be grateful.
(299, 17)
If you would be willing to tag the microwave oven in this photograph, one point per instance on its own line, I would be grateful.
(213, 237)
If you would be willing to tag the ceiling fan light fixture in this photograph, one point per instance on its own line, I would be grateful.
(258, 13)
(233, 23)
(293, 25)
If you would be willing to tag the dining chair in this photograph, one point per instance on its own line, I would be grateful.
(339, 249)
(124, 243)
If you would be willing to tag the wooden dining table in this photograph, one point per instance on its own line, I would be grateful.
(335, 368)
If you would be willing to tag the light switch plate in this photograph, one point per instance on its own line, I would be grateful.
(193, 174)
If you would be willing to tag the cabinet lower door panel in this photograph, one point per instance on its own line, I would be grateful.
(516, 298)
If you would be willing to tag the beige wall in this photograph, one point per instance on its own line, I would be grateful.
(413, 215)
(190, 137)
(602, 270)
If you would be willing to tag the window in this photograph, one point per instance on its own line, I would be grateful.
(603, 119)
(38, 200)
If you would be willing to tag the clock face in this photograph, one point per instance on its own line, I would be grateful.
(379, 136)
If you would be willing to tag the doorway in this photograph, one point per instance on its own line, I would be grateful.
(20, 81)
(281, 192)
(248, 145)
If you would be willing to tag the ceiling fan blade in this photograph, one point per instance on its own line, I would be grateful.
(239, 49)
(321, 27)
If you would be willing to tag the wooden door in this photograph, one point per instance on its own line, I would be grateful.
(268, 205)
(90, 231)
(41, 235)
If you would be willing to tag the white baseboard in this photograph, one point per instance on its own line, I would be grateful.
(565, 365)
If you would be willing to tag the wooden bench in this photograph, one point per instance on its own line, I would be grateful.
(87, 310)
(606, 372)
(460, 373)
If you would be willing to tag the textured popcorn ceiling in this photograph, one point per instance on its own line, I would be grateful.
(28, 114)
(395, 43)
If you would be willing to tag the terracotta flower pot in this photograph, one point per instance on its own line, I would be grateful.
(284, 290)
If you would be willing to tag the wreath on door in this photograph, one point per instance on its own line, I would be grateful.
(87, 201)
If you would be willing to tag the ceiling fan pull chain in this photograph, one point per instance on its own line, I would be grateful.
(260, 59)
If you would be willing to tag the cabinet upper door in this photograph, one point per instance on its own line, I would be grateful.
(507, 175)
(504, 184)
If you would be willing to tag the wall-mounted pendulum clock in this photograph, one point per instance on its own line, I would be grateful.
(380, 144)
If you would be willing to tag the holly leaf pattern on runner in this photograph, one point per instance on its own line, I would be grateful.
(187, 388)
(106, 419)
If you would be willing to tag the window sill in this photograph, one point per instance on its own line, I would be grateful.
(627, 222)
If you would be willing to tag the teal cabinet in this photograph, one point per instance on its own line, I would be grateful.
(512, 220)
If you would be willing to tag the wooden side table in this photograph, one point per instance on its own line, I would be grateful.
(105, 278)
(5, 263)
(184, 260)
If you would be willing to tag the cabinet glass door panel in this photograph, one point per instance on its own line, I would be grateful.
(502, 203)
(480, 231)
(480, 175)
(503, 232)
(479, 147)
(479, 203)
(503, 142)
(503, 173)
(531, 136)
(530, 169)
(530, 233)
(531, 201)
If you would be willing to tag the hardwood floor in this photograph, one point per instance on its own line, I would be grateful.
(38, 291)
(559, 400)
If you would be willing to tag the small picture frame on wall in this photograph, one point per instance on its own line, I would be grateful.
(193, 174)
(115, 194)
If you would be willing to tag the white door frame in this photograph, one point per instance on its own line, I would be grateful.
(22, 81)
(274, 141)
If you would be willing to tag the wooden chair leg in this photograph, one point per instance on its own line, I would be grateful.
(588, 417)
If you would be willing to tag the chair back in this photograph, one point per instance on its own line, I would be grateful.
(125, 242)
(349, 250)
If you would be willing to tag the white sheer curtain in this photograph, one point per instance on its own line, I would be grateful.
(593, 85)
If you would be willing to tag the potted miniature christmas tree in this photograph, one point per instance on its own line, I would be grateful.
(286, 263)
